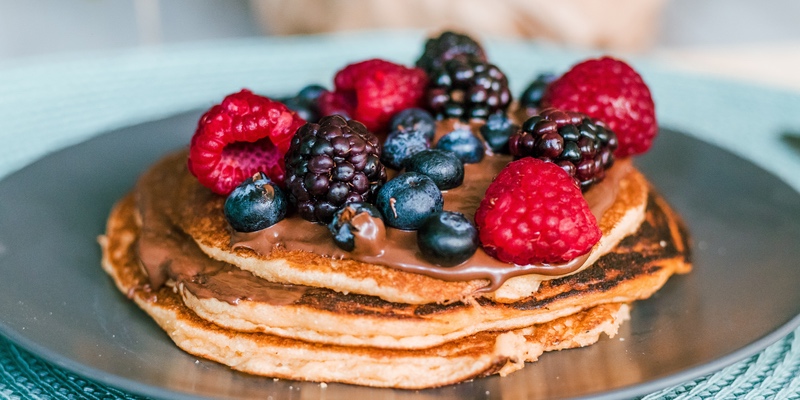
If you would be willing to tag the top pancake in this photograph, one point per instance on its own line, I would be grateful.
(198, 212)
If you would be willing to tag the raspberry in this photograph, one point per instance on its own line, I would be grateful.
(533, 212)
(582, 147)
(611, 91)
(447, 46)
(244, 134)
(373, 91)
(330, 164)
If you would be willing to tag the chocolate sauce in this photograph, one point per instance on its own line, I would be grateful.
(167, 254)
(400, 250)
(369, 233)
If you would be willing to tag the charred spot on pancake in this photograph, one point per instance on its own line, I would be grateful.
(496, 366)
(686, 241)
(354, 304)
(601, 277)
(435, 308)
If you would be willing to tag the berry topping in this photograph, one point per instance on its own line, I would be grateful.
(330, 164)
(244, 134)
(611, 91)
(447, 46)
(255, 204)
(533, 212)
(402, 144)
(358, 219)
(304, 103)
(496, 131)
(466, 146)
(414, 119)
(446, 170)
(467, 88)
(408, 199)
(373, 91)
(582, 147)
(447, 238)
(531, 97)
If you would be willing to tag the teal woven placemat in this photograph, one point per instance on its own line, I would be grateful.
(47, 103)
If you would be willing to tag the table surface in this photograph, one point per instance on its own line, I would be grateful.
(50, 102)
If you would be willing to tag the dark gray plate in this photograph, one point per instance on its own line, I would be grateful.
(56, 302)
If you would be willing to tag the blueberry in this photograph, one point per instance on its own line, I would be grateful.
(414, 119)
(408, 199)
(342, 225)
(532, 96)
(496, 131)
(305, 102)
(447, 238)
(466, 146)
(257, 203)
(302, 108)
(446, 170)
(311, 92)
(400, 145)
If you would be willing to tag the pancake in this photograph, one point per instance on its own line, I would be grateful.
(286, 302)
(198, 213)
(236, 299)
(473, 356)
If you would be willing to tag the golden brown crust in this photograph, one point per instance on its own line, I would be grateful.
(269, 355)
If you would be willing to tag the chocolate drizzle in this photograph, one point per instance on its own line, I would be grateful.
(169, 256)
(400, 250)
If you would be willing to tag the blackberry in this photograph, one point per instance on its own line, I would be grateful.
(467, 88)
(581, 146)
(447, 46)
(330, 164)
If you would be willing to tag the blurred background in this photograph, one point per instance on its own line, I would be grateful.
(41, 26)
(758, 41)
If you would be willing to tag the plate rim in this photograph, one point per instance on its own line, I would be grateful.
(138, 388)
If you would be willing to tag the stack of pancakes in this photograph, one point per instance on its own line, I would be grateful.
(300, 315)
